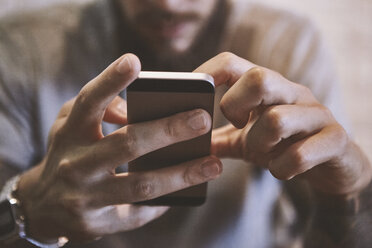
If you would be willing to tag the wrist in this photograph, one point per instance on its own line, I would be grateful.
(13, 221)
(26, 192)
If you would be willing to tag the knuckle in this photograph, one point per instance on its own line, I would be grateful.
(69, 173)
(341, 136)
(188, 177)
(228, 106)
(170, 129)
(127, 142)
(327, 113)
(225, 106)
(106, 75)
(58, 131)
(305, 91)
(227, 58)
(82, 97)
(299, 159)
(256, 77)
(278, 75)
(227, 62)
(64, 169)
(274, 121)
(66, 108)
(143, 188)
(256, 73)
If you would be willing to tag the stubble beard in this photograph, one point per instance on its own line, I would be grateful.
(163, 56)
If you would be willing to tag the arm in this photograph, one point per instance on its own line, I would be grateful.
(279, 125)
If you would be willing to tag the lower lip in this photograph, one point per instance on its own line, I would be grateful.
(167, 31)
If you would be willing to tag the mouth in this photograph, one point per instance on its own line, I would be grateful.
(171, 29)
(164, 25)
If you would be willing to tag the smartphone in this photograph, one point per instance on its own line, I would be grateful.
(154, 95)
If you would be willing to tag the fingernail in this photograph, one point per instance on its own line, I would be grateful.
(124, 65)
(210, 169)
(197, 121)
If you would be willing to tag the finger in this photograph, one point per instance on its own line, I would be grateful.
(116, 111)
(125, 217)
(315, 150)
(91, 102)
(227, 142)
(135, 140)
(251, 86)
(225, 68)
(280, 122)
(130, 217)
(60, 120)
(260, 87)
(111, 219)
(141, 186)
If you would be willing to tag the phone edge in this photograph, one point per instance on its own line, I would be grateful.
(176, 76)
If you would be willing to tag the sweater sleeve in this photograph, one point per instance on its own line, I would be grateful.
(18, 142)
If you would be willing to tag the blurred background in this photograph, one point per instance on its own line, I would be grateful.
(346, 26)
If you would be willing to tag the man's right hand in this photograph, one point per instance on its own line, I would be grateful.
(74, 192)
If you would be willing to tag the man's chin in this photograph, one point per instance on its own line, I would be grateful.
(170, 49)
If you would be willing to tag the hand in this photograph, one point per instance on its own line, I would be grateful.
(280, 125)
(74, 192)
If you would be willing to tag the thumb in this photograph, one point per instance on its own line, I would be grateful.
(228, 142)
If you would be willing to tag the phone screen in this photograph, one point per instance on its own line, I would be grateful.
(154, 98)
